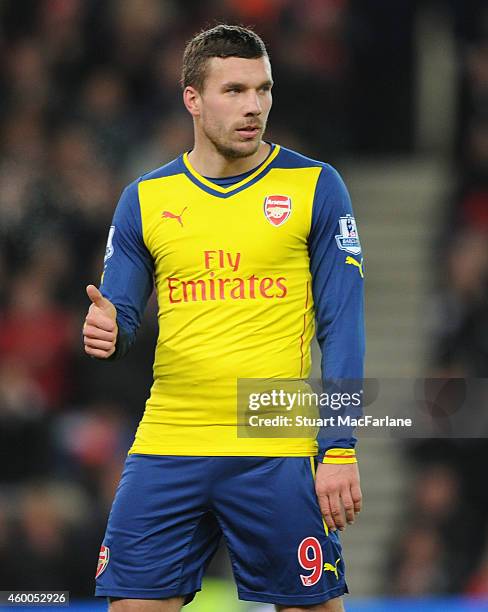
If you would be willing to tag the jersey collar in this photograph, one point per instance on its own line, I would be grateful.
(215, 189)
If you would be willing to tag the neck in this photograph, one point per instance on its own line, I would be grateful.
(207, 161)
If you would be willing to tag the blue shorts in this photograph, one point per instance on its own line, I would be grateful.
(170, 512)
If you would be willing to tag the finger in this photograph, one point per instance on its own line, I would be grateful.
(90, 331)
(95, 296)
(336, 511)
(326, 511)
(99, 344)
(98, 352)
(348, 505)
(357, 497)
(100, 321)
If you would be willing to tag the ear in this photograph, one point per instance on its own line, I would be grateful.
(192, 100)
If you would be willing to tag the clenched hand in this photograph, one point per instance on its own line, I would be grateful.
(100, 328)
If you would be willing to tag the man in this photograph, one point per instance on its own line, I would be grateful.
(246, 242)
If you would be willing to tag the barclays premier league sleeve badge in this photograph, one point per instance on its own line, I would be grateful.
(109, 249)
(348, 238)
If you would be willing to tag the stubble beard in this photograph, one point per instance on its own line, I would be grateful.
(233, 152)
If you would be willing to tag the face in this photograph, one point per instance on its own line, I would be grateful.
(232, 110)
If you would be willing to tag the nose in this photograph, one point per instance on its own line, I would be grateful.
(253, 103)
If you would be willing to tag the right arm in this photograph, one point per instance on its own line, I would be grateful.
(127, 282)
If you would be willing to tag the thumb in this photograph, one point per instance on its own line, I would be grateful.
(95, 296)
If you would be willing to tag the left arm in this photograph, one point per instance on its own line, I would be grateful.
(336, 266)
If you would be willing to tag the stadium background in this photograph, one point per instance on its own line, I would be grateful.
(394, 94)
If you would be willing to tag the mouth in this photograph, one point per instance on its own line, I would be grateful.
(249, 131)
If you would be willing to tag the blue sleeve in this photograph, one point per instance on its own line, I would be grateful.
(127, 279)
(336, 265)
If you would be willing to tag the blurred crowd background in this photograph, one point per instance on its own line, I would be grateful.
(90, 100)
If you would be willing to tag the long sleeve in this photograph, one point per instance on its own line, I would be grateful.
(336, 265)
(127, 279)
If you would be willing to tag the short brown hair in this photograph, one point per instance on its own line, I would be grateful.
(219, 41)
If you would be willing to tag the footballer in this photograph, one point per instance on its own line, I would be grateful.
(248, 245)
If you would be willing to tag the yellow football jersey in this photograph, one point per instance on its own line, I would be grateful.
(241, 268)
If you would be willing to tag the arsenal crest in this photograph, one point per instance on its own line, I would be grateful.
(277, 209)
(103, 559)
